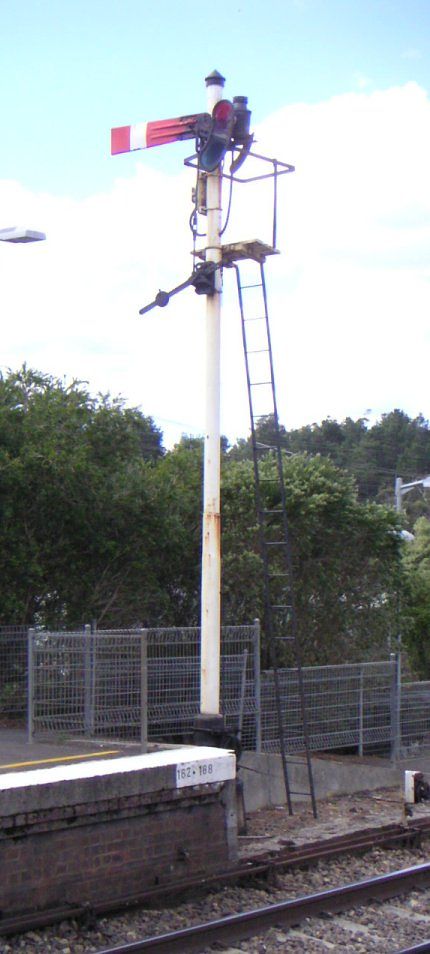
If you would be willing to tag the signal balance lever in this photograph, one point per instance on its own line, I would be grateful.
(202, 278)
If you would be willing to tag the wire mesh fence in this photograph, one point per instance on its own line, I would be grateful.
(414, 718)
(127, 684)
(347, 707)
(134, 684)
(174, 680)
(57, 681)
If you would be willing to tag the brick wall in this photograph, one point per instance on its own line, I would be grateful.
(100, 850)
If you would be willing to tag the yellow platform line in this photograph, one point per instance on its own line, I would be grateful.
(61, 758)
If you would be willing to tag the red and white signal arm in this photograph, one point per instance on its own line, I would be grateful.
(158, 133)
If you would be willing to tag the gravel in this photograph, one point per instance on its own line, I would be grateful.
(375, 928)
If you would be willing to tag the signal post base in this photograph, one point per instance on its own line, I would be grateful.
(209, 729)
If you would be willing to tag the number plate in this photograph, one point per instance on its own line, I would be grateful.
(205, 771)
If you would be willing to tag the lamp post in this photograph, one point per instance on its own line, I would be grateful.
(21, 236)
(400, 489)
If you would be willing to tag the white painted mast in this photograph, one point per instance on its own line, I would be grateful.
(211, 543)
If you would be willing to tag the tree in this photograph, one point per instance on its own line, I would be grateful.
(79, 514)
(416, 611)
(98, 522)
(346, 558)
(179, 478)
(397, 445)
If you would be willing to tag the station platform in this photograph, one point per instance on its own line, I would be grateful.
(84, 822)
(19, 755)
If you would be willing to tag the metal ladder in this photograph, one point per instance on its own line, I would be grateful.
(280, 613)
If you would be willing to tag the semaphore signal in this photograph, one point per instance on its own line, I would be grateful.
(158, 133)
(225, 127)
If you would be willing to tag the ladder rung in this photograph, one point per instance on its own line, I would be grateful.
(279, 615)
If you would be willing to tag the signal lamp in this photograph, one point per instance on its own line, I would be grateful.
(219, 136)
(242, 120)
(204, 278)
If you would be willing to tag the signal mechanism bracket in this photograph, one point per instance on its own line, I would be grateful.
(254, 249)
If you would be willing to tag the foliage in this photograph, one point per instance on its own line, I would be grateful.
(346, 557)
(417, 598)
(98, 522)
(79, 513)
(179, 479)
(397, 445)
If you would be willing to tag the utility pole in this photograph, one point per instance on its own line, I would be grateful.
(210, 717)
(400, 489)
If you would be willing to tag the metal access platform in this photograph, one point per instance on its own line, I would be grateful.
(253, 249)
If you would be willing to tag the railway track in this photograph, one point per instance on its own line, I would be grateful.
(255, 868)
(287, 914)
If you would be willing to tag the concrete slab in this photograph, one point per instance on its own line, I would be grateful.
(17, 754)
(60, 784)
(263, 781)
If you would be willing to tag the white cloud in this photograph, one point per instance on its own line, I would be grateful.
(411, 54)
(361, 81)
(350, 295)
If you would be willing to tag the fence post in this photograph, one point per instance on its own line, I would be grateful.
(30, 686)
(395, 705)
(257, 684)
(360, 711)
(88, 682)
(143, 690)
(242, 694)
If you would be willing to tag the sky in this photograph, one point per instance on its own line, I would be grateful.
(338, 88)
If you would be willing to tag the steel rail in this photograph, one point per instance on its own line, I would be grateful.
(416, 949)
(239, 927)
(255, 867)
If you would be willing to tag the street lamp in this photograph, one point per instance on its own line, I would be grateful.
(17, 235)
(401, 488)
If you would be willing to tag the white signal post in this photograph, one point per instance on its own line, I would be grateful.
(144, 136)
(211, 542)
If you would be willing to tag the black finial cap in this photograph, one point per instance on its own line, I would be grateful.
(215, 79)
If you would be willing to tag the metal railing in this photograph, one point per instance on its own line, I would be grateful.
(414, 730)
(134, 684)
(348, 707)
(88, 683)
(174, 680)
(91, 683)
